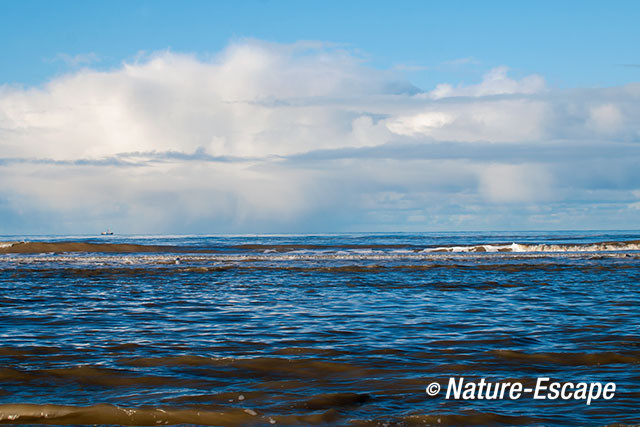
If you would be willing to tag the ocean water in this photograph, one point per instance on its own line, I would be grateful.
(316, 329)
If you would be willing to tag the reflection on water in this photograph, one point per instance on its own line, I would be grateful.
(338, 330)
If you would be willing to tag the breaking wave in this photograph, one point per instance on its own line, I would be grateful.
(321, 251)
(633, 245)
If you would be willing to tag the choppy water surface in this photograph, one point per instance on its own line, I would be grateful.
(334, 330)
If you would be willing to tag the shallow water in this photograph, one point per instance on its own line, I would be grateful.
(334, 330)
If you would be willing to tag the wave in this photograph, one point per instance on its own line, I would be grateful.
(115, 415)
(153, 416)
(292, 252)
(62, 247)
(633, 245)
(294, 247)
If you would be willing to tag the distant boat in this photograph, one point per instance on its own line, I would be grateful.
(107, 233)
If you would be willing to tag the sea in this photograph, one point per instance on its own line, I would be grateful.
(324, 329)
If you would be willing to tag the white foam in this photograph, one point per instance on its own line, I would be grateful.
(522, 247)
(610, 249)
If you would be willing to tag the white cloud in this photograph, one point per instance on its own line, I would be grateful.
(266, 137)
(495, 82)
(252, 100)
(422, 123)
(497, 120)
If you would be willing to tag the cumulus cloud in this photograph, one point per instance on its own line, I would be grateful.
(495, 82)
(498, 120)
(306, 137)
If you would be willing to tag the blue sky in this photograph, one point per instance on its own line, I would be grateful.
(571, 43)
(274, 116)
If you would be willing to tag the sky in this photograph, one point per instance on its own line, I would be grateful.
(207, 117)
